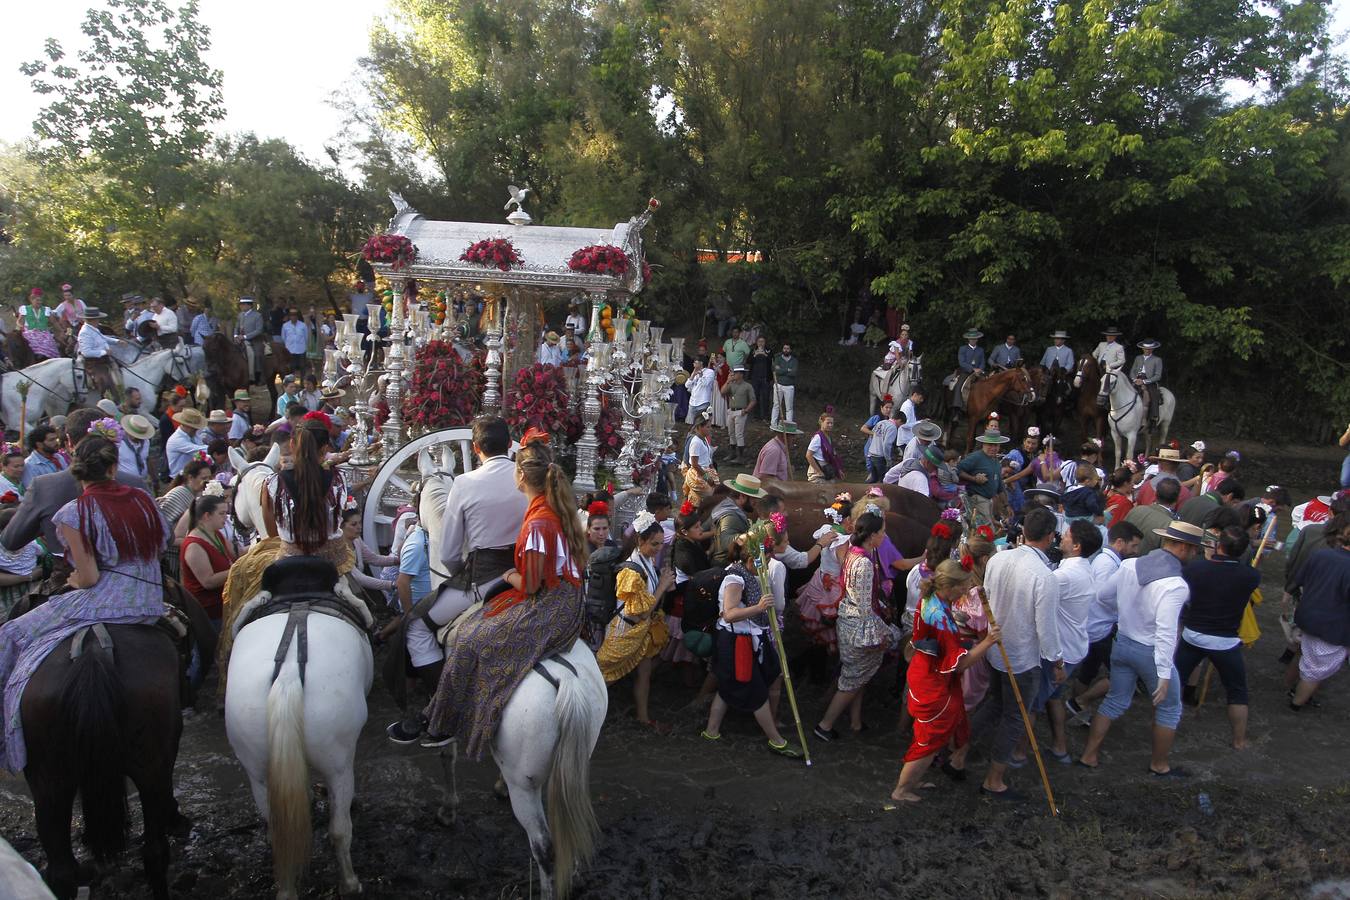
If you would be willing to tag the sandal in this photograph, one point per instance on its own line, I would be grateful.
(1064, 759)
(709, 737)
(785, 749)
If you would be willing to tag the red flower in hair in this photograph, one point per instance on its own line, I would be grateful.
(598, 508)
(942, 530)
(320, 417)
(967, 562)
(533, 434)
(9, 497)
(986, 532)
(180, 390)
(686, 508)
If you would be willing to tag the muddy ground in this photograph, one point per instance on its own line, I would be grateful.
(682, 818)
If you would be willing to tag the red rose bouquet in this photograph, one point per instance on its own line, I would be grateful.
(537, 398)
(444, 389)
(599, 259)
(395, 249)
(494, 252)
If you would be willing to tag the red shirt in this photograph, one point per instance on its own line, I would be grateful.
(1118, 506)
(211, 599)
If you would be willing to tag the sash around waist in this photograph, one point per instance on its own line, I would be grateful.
(483, 565)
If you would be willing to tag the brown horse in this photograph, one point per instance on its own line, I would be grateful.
(1091, 414)
(91, 723)
(987, 393)
(227, 368)
(17, 351)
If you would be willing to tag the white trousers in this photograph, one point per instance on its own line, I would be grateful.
(736, 426)
(450, 603)
(783, 395)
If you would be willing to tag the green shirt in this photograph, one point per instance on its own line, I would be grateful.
(736, 352)
(976, 463)
(740, 394)
(785, 370)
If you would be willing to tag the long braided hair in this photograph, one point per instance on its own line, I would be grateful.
(537, 469)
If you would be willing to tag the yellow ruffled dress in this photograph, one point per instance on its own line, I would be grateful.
(638, 634)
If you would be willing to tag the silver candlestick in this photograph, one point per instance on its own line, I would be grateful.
(392, 431)
(492, 392)
(588, 446)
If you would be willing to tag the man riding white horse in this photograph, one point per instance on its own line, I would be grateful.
(1110, 353)
(1147, 373)
(92, 349)
(482, 517)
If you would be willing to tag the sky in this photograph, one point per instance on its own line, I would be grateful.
(302, 50)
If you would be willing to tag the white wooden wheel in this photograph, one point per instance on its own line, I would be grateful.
(450, 449)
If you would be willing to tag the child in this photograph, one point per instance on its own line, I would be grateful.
(1085, 500)
(933, 681)
(949, 485)
(18, 570)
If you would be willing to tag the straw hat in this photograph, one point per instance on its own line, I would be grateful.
(551, 337)
(190, 418)
(1060, 335)
(748, 485)
(1167, 454)
(1149, 344)
(217, 417)
(330, 394)
(242, 395)
(973, 334)
(1184, 532)
(783, 426)
(1113, 331)
(138, 427)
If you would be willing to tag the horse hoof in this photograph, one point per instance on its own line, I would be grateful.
(446, 817)
(350, 889)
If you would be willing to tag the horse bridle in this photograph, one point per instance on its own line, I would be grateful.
(1108, 385)
(1027, 397)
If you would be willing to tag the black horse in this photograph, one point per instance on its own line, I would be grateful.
(91, 722)
(1059, 400)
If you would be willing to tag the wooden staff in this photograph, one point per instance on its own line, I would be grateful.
(1021, 705)
(762, 565)
(1209, 667)
(24, 386)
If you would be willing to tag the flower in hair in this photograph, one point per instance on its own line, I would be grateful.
(321, 417)
(875, 491)
(643, 521)
(967, 562)
(834, 515)
(180, 390)
(108, 429)
(686, 508)
(942, 530)
(202, 456)
(779, 522)
(888, 399)
(843, 497)
(951, 514)
(598, 508)
(8, 498)
(986, 532)
(213, 489)
(1096, 442)
(873, 509)
(535, 435)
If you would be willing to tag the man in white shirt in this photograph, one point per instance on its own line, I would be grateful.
(909, 411)
(133, 452)
(1150, 591)
(1024, 600)
(295, 337)
(550, 352)
(700, 385)
(576, 320)
(1122, 543)
(184, 443)
(167, 321)
(92, 349)
(1076, 595)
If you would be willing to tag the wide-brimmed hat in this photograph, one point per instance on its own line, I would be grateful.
(192, 418)
(748, 485)
(242, 394)
(551, 337)
(740, 369)
(973, 334)
(91, 313)
(330, 394)
(928, 430)
(1043, 489)
(1113, 331)
(1149, 344)
(218, 417)
(138, 427)
(245, 299)
(991, 433)
(933, 455)
(1061, 334)
(783, 426)
(1184, 532)
(1167, 454)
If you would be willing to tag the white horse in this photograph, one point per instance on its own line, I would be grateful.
(897, 381)
(52, 387)
(279, 726)
(545, 738)
(248, 485)
(1126, 415)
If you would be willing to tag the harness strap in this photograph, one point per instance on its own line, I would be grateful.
(296, 621)
(100, 632)
(548, 676)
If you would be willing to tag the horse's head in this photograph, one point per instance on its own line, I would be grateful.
(1022, 383)
(916, 369)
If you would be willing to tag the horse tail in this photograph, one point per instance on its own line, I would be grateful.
(288, 777)
(571, 818)
(93, 703)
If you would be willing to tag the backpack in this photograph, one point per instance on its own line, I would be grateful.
(701, 606)
(602, 575)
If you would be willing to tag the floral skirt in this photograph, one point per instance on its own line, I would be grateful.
(818, 605)
(857, 665)
(488, 657)
(42, 343)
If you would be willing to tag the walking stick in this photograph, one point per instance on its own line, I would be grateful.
(24, 386)
(762, 565)
(1209, 668)
(1021, 705)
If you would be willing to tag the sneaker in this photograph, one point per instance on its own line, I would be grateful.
(433, 741)
(400, 733)
(785, 749)
(825, 735)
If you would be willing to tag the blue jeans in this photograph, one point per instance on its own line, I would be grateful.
(876, 469)
(1049, 690)
(1131, 661)
(1345, 471)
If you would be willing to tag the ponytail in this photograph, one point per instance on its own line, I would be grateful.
(310, 514)
(560, 498)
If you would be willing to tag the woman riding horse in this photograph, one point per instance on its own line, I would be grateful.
(114, 535)
(541, 614)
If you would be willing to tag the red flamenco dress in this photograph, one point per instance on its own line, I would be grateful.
(933, 684)
(492, 652)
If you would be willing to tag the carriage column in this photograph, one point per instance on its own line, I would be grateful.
(588, 446)
(391, 433)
